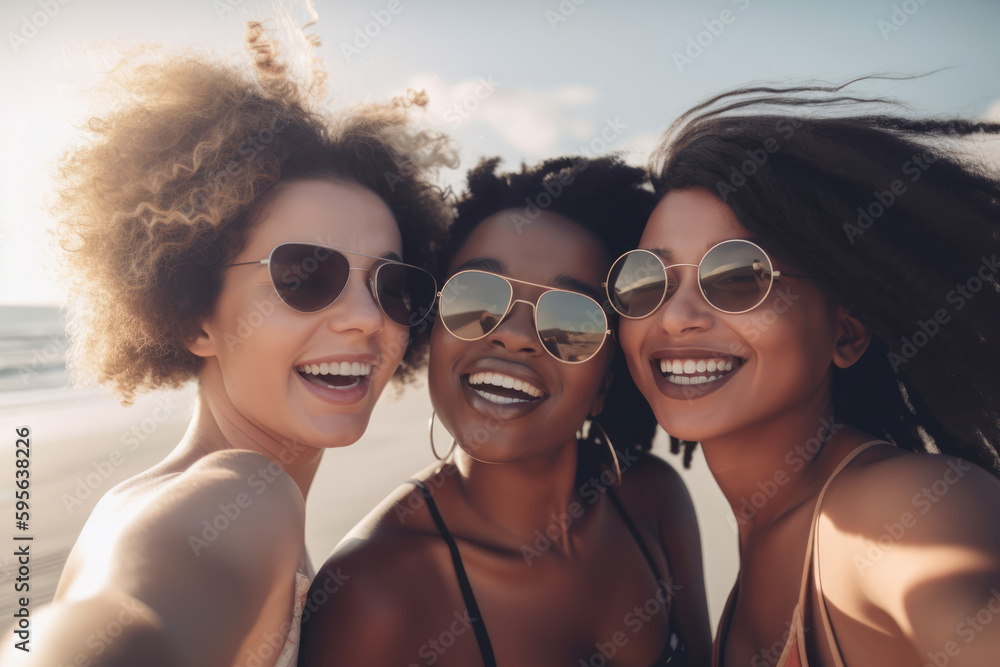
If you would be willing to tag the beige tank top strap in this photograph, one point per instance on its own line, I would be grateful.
(813, 546)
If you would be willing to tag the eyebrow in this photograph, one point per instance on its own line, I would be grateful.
(560, 281)
(662, 253)
(668, 256)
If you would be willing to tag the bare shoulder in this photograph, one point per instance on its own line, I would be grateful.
(385, 574)
(653, 487)
(897, 520)
(202, 552)
(218, 508)
(942, 496)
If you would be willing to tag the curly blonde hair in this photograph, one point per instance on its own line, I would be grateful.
(174, 179)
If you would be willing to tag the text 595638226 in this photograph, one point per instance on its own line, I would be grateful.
(22, 542)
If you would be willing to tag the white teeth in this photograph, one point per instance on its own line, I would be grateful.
(498, 380)
(356, 369)
(679, 370)
(502, 400)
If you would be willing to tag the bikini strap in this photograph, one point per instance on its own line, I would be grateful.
(616, 501)
(475, 617)
(813, 547)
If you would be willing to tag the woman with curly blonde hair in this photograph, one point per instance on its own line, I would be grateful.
(218, 229)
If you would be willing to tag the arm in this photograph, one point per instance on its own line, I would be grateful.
(928, 556)
(364, 621)
(168, 591)
(662, 491)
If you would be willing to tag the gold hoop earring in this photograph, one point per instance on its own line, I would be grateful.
(430, 432)
(614, 454)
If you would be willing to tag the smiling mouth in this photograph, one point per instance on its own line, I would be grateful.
(697, 372)
(345, 375)
(502, 389)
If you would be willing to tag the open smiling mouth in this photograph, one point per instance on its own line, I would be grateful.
(345, 375)
(693, 377)
(502, 389)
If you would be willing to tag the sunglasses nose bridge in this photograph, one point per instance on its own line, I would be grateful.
(515, 330)
(368, 308)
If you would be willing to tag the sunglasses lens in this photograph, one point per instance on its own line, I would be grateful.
(735, 276)
(636, 284)
(572, 327)
(308, 277)
(405, 293)
(473, 303)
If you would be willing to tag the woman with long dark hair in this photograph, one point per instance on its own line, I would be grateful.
(549, 535)
(816, 301)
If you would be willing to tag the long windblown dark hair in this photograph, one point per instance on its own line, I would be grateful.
(896, 218)
(606, 197)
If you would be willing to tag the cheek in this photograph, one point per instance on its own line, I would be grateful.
(631, 335)
(392, 344)
(443, 349)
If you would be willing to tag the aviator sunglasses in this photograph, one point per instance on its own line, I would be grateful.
(571, 326)
(734, 276)
(309, 277)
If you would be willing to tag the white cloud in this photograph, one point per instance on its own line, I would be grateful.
(532, 122)
(993, 113)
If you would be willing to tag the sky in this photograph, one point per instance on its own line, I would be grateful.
(522, 79)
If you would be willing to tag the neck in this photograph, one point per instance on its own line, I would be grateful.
(523, 498)
(768, 469)
(217, 426)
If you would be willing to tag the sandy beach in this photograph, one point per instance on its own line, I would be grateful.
(83, 443)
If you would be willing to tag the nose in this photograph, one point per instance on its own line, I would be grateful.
(356, 308)
(516, 332)
(686, 310)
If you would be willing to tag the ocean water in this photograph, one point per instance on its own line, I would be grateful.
(33, 346)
